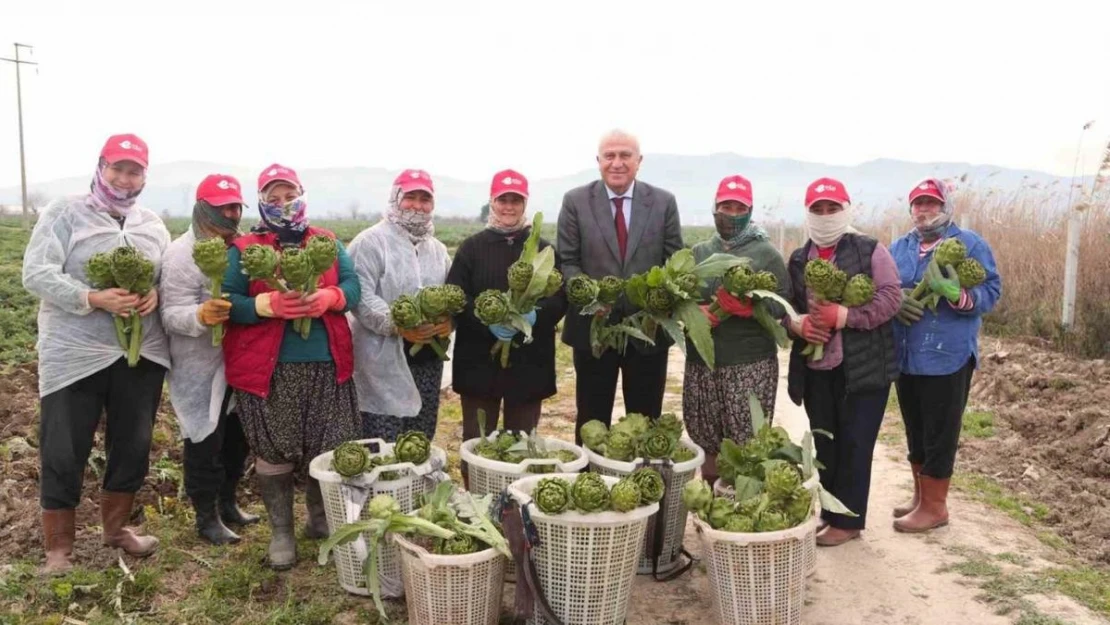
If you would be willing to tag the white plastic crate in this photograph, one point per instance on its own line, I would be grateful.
(408, 491)
(585, 562)
(674, 511)
(721, 489)
(451, 590)
(756, 578)
(486, 476)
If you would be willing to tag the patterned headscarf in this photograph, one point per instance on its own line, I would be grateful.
(288, 220)
(417, 224)
(106, 198)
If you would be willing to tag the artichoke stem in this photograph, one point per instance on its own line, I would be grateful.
(306, 323)
(136, 339)
(121, 332)
(434, 344)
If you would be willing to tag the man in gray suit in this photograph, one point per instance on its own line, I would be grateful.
(616, 226)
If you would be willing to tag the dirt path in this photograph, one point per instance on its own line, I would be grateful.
(884, 577)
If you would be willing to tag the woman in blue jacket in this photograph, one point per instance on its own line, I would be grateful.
(938, 351)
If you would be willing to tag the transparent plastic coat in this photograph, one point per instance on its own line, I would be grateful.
(75, 341)
(197, 383)
(388, 266)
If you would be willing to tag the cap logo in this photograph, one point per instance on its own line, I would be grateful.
(127, 145)
(736, 185)
(926, 187)
(223, 184)
(821, 188)
(414, 174)
(509, 180)
(272, 172)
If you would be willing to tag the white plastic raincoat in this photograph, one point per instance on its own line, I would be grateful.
(75, 341)
(197, 383)
(388, 266)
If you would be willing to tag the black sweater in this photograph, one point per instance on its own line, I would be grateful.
(481, 263)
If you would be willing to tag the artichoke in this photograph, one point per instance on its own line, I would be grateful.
(127, 267)
(799, 507)
(520, 274)
(859, 291)
(697, 496)
(720, 511)
(824, 280)
(379, 461)
(413, 447)
(350, 459)
(971, 273)
(688, 283)
(98, 270)
(625, 495)
(260, 262)
(458, 545)
(298, 269)
(609, 290)
(670, 423)
(650, 483)
(486, 449)
(765, 281)
(554, 283)
(210, 256)
(582, 290)
(659, 301)
(950, 252)
(383, 507)
(739, 279)
(781, 481)
(134, 272)
(683, 453)
(565, 455)
(454, 297)
(322, 251)
(772, 521)
(594, 434)
(433, 302)
(590, 493)
(657, 443)
(552, 495)
(505, 440)
(620, 445)
(634, 423)
(740, 524)
(491, 307)
(405, 312)
(754, 506)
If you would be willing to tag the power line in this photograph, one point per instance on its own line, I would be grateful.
(19, 107)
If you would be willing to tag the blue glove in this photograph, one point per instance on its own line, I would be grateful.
(530, 317)
(502, 332)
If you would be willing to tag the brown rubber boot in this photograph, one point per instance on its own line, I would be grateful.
(115, 510)
(909, 507)
(58, 532)
(932, 512)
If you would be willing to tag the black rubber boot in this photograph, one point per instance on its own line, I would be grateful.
(317, 524)
(230, 511)
(209, 525)
(277, 494)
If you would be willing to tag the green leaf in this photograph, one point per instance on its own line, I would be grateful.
(518, 321)
(758, 418)
(675, 331)
(771, 295)
(635, 289)
(807, 454)
(773, 327)
(656, 277)
(747, 487)
(532, 243)
(832, 504)
(681, 261)
(717, 264)
(346, 534)
(790, 453)
(698, 329)
(542, 265)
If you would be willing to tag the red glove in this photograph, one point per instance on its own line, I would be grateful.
(329, 298)
(733, 305)
(812, 331)
(280, 305)
(830, 315)
(713, 320)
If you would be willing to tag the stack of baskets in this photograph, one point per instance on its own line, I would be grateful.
(408, 490)
(585, 563)
(673, 523)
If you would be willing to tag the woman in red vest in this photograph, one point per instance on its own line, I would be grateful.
(295, 395)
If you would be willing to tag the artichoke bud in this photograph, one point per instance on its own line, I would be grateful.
(582, 290)
(323, 252)
(405, 312)
(860, 290)
(659, 300)
(98, 270)
(609, 289)
(520, 274)
(210, 256)
(552, 495)
(950, 252)
(260, 262)
(651, 484)
(971, 273)
(625, 495)
(590, 493)
(491, 307)
(554, 283)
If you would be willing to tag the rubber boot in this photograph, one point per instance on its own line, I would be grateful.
(909, 507)
(277, 494)
(316, 525)
(209, 525)
(115, 510)
(230, 511)
(932, 512)
(58, 532)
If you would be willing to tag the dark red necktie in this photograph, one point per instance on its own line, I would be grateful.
(622, 228)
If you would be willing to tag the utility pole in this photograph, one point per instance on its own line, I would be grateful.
(19, 108)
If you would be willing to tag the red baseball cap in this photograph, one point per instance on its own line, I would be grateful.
(508, 181)
(827, 189)
(735, 188)
(126, 147)
(929, 187)
(278, 172)
(414, 180)
(220, 190)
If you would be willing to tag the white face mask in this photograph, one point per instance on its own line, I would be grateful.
(826, 230)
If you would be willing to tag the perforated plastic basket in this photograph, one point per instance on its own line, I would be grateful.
(721, 489)
(585, 562)
(759, 578)
(407, 490)
(674, 512)
(451, 590)
(487, 476)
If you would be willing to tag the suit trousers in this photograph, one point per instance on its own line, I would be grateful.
(643, 380)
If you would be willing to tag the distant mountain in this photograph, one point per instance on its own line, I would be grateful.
(779, 185)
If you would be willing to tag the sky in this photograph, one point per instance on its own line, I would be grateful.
(465, 88)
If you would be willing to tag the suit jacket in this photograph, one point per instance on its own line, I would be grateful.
(587, 243)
